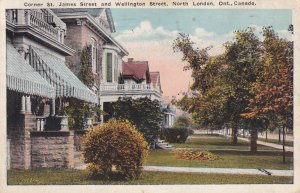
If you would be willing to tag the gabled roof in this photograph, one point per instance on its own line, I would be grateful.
(154, 76)
(80, 13)
(137, 70)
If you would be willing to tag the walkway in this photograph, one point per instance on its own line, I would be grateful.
(221, 170)
(274, 145)
(214, 170)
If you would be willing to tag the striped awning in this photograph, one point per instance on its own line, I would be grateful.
(55, 71)
(21, 77)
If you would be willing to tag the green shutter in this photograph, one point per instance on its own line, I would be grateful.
(109, 67)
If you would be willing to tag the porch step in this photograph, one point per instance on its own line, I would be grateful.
(164, 145)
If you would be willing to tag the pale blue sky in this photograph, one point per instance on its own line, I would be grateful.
(148, 34)
(220, 21)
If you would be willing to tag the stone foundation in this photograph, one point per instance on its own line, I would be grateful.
(20, 144)
(52, 149)
(45, 149)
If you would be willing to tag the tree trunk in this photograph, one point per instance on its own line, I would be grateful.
(279, 135)
(244, 133)
(234, 135)
(253, 141)
(283, 144)
(266, 135)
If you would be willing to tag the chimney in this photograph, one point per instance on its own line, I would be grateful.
(130, 60)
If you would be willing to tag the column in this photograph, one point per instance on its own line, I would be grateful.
(28, 104)
(101, 115)
(42, 124)
(52, 107)
(23, 105)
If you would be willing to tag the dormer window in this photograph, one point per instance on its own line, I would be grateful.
(94, 55)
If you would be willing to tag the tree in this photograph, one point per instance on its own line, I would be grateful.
(207, 106)
(182, 122)
(243, 59)
(223, 82)
(144, 113)
(274, 87)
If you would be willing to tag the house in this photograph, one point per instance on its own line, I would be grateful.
(37, 82)
(93, 28)
(44, 55)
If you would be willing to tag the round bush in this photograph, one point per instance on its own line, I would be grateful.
(115, 148)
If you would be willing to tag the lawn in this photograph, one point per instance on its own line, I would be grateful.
(60, 177)
(207, 141)
(287, 143)
(228, 159)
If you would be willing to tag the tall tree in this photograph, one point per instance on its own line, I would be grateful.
(243, 59)
(274, 87)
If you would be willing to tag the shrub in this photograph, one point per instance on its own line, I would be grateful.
(175, 135)
(115, 148)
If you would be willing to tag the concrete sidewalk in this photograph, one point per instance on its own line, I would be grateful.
(214, 170)
(221, 170)
(274, 145)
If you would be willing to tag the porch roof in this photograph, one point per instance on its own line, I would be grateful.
(63, 79)
(21, 77)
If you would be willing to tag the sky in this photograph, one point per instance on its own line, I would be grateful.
(148, 35)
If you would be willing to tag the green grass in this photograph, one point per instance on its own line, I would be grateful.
(229, 159)
(287, 143)
(216, 142)
(73, 177)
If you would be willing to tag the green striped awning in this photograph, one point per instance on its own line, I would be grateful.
(55, 71)
(21, 77)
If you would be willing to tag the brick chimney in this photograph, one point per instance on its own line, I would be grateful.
(130, 60)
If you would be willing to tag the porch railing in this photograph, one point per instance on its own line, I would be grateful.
(36, 19)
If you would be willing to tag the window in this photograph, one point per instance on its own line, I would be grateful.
(94, 55)
(116, 68)
(109, 67)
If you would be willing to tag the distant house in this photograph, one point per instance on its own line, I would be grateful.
(37, 80)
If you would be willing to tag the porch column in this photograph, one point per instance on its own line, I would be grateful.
(28, 104)
(52, 107)
(23, 105)
(101, 115)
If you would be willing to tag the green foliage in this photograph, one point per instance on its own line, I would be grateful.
(115, 147)
(182, 122)
(224, 82)
(78, 110)
(144, 113)
(175, 135)
(274, 87)
(86, 75)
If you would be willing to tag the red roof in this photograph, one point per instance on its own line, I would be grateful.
(138, 70)
(154, 76)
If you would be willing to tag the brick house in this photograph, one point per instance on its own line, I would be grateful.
(37, 80)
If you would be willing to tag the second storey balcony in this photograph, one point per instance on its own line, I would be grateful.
(114, 91)
(40, 24)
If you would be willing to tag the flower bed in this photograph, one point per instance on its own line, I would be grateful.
(195, 155)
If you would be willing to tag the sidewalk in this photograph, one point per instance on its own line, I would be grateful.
(214, 170)
(221, 170)
(276, 146)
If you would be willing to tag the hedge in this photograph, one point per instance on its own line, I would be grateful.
(175, 135)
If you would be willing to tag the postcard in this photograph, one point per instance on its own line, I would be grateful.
(149, 96)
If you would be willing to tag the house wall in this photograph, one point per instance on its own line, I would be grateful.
(79, 36)
(52, 149)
